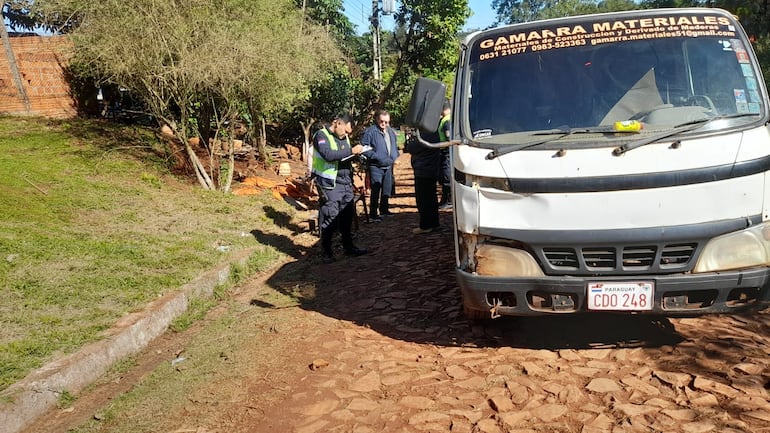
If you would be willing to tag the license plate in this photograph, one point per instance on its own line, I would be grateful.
(621, 296)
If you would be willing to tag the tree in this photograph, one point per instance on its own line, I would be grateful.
(520, 11)
(199, 64)
(28, 15)
(426, 43)
(19, 15)
(328, 13)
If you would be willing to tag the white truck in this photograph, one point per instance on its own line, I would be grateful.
(613, 162)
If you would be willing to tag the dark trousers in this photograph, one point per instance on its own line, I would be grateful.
(427, 202)
(382, 183)
(446, 177)
(336, 213)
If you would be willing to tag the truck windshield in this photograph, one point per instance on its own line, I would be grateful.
(595, 73)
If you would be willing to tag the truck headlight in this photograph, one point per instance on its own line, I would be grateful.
(743, 249)
(500, 261)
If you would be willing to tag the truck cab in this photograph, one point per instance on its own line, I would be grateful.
(608, 163)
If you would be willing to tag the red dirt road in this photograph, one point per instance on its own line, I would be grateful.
(381, 345)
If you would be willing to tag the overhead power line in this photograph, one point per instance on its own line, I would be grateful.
(354, 10)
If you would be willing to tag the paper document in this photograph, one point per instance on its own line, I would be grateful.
(366, 149)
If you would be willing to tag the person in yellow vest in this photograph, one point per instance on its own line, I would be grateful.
(332, 171)
(446, 165)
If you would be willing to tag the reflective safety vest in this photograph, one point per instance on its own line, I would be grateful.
(441, 135)
(321, 167)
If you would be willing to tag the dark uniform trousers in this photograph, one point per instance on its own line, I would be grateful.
(427, 202)
(336, 212)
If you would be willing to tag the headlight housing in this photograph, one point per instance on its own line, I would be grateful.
(500, 261)
(744, 249)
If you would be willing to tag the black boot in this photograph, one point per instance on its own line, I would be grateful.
(327, 254)
(354, 251)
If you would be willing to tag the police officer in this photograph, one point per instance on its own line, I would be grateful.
(333, 174)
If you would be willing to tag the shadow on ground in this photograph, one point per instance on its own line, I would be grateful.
(405, 288)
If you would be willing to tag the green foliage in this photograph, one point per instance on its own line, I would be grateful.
(331, 93)
(429, 44)
(66, 399)
(520, 11)
(425, 43)
(198, 63)
(196, 310)
(19, 15)
(762, 48)
(123, 365)
(328, 13)
(151, 179)
(261, 260)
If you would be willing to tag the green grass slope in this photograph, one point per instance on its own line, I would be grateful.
(93, 226)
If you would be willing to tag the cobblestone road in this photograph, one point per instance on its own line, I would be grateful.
(406, 360)
(380, 344)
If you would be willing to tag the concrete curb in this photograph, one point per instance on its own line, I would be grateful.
(39, 392)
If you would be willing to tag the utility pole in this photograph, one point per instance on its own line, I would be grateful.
(389, 7)
(304, 5)
(377, 55)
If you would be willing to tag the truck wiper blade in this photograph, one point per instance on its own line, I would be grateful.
(678, 129)
(554, 134)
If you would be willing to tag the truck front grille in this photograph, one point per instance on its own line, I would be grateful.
(628, 259)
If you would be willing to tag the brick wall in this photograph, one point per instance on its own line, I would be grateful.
(40, 60)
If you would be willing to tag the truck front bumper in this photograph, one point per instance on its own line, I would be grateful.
(679, 295)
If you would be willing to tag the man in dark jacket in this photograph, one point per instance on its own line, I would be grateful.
(333, 174)
(382, 140)
(426, 164)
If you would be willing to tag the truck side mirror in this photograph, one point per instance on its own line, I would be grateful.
(424, 111)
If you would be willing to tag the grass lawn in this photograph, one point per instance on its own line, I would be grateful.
(93, 225)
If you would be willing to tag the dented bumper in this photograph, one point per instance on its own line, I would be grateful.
(674, 295)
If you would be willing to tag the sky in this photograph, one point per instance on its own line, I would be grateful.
(483, 15)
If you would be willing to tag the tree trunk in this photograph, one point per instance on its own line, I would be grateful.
(230, 169)
(200, 172)
(262, 141)
(14, 68)
(204, 124)
(228, 182)
(307, 146)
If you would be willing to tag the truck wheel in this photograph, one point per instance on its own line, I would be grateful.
(476, 314)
